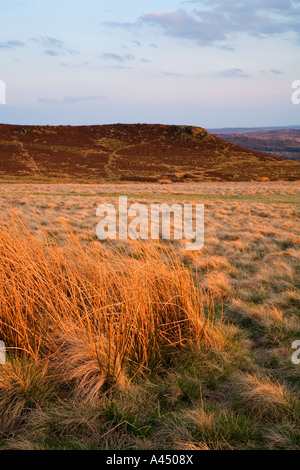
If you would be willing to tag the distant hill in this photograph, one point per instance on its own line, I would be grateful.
(250, 130)
(131, 152)
(279, 142)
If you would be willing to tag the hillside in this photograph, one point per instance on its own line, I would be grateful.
(131, 152)
(278, 142)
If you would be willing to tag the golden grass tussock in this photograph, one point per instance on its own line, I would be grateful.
(95, 316)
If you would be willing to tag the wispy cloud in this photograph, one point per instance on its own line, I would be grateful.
(276, 72)
(48, 42)
(216, 20)
(181, 24)
(11, 44)
(117, 57)
(70, 99)
(173, 74)
(54, 46)
(117, 24)
(233, 73)
(51, 53)
(273, 71)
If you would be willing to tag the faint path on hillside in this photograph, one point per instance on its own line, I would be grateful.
(114, 155)
(27, 159)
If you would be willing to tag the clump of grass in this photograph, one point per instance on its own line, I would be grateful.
(266, 398)
(209, 427)
(94, 315)
(284, 437)
(23, 387)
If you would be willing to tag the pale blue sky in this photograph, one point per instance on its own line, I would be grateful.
(214, 63)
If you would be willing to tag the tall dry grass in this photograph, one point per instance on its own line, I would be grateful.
(94, 315)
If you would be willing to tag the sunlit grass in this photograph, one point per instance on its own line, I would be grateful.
(146, 345)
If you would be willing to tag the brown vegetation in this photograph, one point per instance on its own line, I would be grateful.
(121, 152)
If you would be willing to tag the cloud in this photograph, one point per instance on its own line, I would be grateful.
(54, 46)
(183, 25)
(70, 99)
(117, 24)
(72, 51)
(276, 72)
(51, 53)
(233, 73)
(215, 21)
(117, 57)
(49, 42)
(129, 57)
(226, 47)
(173, 74)
(207, 27)
(11, 44)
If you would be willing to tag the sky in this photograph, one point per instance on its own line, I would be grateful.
(208, 63)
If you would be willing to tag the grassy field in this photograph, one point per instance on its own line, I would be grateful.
(131, 345)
